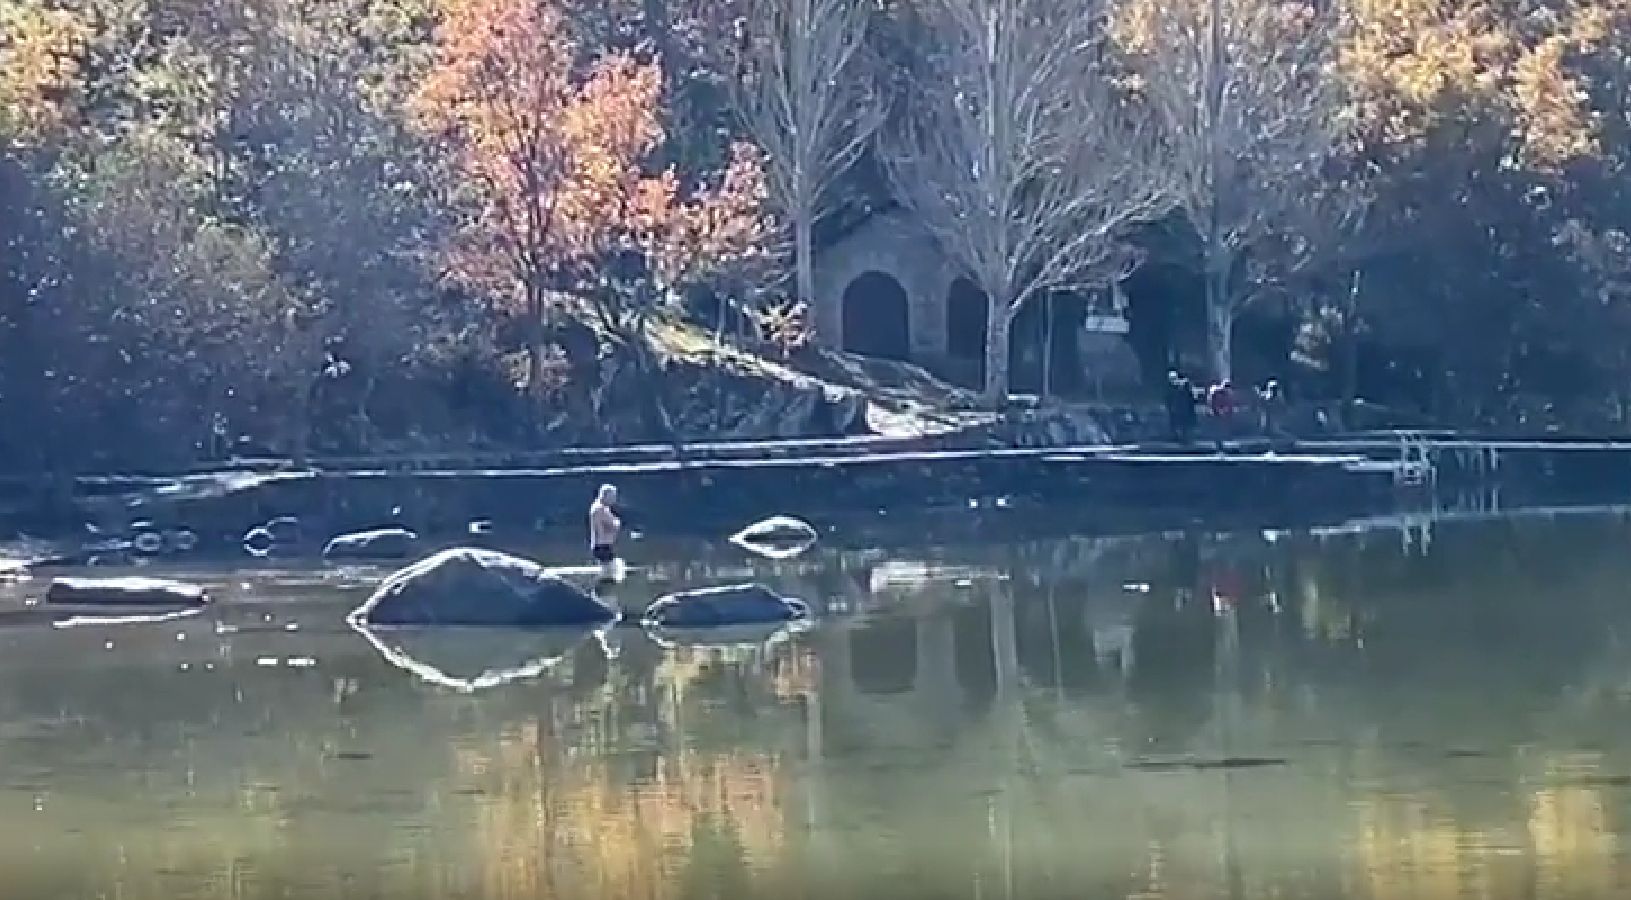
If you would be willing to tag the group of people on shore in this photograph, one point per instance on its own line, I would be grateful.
(1186, 403)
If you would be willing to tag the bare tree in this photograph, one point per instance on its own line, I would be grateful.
(805, 104)
(1251, 110)
(1020, 157)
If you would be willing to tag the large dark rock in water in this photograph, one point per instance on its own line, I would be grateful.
(731, 604)
(126, 591)
(480, 588)
(377, 543)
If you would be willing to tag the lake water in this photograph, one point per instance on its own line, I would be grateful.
(1383, 713)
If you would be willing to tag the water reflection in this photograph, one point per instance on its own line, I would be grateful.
(475, 659)
(1195, 715)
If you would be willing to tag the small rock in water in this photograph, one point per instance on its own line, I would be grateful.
(258, 542)
(125, 591)
(390, 542)
(778, 537)
(181, 540)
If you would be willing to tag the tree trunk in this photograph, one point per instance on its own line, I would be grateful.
(1349, 388)
(997, 322)
(1220, 323)
(535, 361)
(1047, 348)
(804, 266)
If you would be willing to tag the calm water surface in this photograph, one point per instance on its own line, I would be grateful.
(1380, 714)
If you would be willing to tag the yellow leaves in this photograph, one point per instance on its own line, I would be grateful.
(1410, 61)
(1255, 27)
(1555, 122)
(1415, 64)
(40, 56)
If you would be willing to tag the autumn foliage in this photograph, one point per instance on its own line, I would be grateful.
(40, 52)
(554, 151)
(359, 225)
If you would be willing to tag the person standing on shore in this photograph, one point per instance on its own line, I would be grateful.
(1180, 397)
(604, 526)
(1220, 402)
(1268, 406)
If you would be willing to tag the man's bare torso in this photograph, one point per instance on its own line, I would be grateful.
(603, 525)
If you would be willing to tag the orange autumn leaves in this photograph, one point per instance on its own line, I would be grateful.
(556, 150)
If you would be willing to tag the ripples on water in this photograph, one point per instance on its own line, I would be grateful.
(1196, 716)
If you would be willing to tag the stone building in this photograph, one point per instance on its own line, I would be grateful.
(886, 289)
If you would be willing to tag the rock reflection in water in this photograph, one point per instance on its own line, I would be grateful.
(474, 659)
(1306, 717)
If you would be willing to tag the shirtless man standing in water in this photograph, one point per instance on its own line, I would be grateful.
(603, 526)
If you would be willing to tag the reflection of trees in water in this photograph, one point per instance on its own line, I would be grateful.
(1350, 646)
(683, 800)
(1552, 842)
(925, 767)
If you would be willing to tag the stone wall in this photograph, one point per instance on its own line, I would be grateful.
(895, 245)
(892, 244)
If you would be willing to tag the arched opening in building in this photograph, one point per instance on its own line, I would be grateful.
(875, 317)
(965, 333)
(883, 656)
